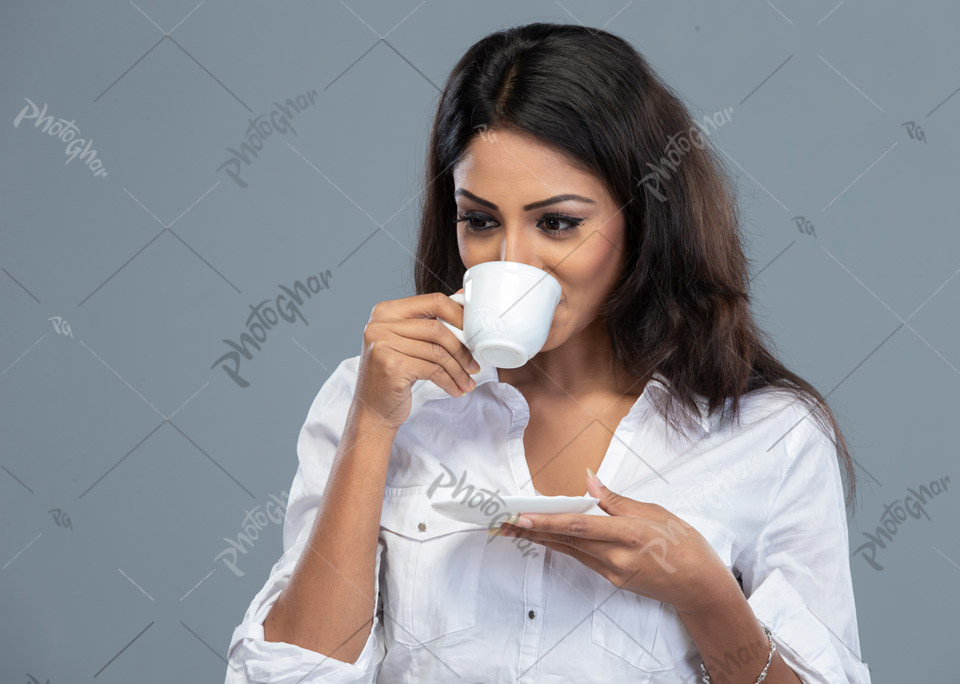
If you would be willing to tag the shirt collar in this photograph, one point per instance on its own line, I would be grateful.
(427, 390)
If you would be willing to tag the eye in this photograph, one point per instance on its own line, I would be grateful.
(554, 218)
(552, 223)
(469, 218)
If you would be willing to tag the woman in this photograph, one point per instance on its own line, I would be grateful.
(719, 550)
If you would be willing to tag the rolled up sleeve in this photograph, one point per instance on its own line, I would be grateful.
(797, 579)
(251, 658)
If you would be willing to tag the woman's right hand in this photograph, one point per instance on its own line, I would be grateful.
(404, 342)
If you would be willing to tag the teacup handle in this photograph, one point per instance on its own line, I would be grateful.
(458, 298)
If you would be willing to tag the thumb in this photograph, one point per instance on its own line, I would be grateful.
(610, 502)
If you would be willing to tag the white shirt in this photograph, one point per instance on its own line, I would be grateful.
(462, 606)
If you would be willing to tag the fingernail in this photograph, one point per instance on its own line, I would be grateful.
(474, 365)
(594, 478)
(524, 521)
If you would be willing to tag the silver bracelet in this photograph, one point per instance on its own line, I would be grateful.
(773, 647)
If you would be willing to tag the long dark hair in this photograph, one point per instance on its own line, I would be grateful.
(681, 305)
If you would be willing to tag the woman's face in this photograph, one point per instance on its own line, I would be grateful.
(509, 186)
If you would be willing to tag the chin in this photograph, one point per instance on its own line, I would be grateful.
(552, 342)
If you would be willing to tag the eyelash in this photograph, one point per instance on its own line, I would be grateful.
(470, 215)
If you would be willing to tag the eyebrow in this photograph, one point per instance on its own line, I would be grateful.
(526, 207)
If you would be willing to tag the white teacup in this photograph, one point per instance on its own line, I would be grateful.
(507, 311)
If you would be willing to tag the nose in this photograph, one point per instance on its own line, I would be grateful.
(516, 246)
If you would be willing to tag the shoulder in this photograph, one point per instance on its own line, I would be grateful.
(772, 411)
(789, 462)
(778, 421)
(789, 428)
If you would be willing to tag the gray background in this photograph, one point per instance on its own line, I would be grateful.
(155, 454)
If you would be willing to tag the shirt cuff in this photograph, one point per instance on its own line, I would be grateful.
(803, 641)
(252, 659)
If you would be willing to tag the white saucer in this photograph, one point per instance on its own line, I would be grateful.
(493, 512)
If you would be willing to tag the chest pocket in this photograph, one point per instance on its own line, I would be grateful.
(433, 568)
(632, 626)
(628, 625)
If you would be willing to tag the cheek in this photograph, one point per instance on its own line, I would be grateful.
(464, 252)
(586, 281)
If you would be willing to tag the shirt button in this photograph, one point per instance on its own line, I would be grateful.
(531, 615)
(422, 527)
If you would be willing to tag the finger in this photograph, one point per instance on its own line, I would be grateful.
(432, 331)
(598, 549)
(428, 305)
(604, 527)
(454, 316)
(435, 305)
(431, 351)
(431, 305)
(592, 562)
(598, 565)
(424, 368)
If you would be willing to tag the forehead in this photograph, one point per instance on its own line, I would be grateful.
(514, 164)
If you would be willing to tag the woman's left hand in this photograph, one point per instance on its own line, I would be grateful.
(640, 547)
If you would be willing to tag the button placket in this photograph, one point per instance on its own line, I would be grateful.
(531, 633)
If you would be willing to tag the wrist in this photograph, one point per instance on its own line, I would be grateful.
(715, 597)
(367, 422)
